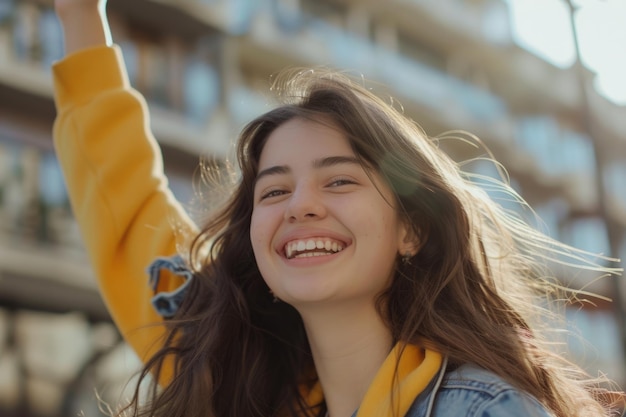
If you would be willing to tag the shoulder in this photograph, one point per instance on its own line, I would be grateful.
(475, 392)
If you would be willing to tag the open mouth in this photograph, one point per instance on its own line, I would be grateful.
(306, 248)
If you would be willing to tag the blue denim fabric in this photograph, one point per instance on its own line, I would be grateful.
(470, 391)
(167, 302)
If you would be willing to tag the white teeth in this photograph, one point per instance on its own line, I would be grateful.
(328, 246)
(310, 254)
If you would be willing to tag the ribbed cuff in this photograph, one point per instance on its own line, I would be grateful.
(82, 75)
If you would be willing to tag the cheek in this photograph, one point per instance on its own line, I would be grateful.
(257, 233)
(256, 238)
(262, 229)
(382, 221)
(261, 232)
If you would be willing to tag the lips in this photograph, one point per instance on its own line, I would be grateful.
(310, 247)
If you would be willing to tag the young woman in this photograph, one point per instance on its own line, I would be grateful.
(354, 271)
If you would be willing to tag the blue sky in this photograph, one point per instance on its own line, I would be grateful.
(543, 27)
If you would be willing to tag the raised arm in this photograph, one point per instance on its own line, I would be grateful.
(84, 24)
(114, 173)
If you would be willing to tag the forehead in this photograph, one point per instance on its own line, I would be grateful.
(301, 140)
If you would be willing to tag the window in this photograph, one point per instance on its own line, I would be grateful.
(324, 10)
(287, 14)
(411, 48)
(33, 199)
(588, 234)
(50, 38)
(6, 10)
(201, 90)
(614, 175)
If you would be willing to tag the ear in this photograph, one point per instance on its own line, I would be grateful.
(410, 239)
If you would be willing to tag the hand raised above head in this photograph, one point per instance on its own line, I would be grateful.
(68, 6)
(84, 23)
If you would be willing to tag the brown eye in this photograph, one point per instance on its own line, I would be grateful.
(341, 181)
(273, 193)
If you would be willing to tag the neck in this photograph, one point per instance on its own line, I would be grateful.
(349, 344)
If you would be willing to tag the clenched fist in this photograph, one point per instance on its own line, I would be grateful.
(84, 23)
(65, 7)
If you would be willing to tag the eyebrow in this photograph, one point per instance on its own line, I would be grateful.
(318, 163)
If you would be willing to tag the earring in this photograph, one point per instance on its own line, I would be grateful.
(274, 298)
(406, 258)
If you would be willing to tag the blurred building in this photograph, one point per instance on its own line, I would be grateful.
(204, 66)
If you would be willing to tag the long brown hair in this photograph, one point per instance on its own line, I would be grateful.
(471, 292)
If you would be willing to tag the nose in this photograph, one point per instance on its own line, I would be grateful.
(305, 204)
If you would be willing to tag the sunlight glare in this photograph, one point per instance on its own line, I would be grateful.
(543, 28)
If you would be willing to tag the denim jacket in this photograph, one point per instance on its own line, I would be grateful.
(467, 391)
(470, 391)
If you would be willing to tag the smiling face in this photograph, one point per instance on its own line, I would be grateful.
(323, 229)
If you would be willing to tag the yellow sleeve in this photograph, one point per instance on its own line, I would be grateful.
(118, 191)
